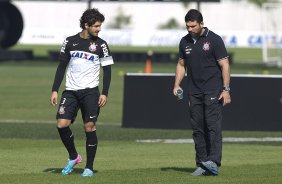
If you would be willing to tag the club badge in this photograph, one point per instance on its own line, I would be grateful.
(92, 47)
(206, 46)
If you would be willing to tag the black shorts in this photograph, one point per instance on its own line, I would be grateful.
(86, 100)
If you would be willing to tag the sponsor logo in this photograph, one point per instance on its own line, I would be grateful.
(63, 48)
(92, 117)
(212, 98)
(188, 50)
(91, 145)
(105, 50)
(83, 55)
(206, 46)
(74, 44)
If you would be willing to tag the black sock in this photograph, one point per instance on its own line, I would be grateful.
(91, 148)
(68, 140)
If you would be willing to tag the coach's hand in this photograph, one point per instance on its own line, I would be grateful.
(175, 90)
(225, 96)
(102, 100)
(53, 98)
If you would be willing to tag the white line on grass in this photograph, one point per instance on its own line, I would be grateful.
(226, 139)
(232, 75)
(43, 122)
(27, 121)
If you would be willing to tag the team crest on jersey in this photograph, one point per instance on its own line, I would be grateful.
(206, 46)
(92, 47)
(62, 109)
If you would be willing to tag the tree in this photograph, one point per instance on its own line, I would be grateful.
(170, 24)
(120, 21)
(260, 2)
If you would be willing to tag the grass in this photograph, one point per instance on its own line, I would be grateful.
(129, 162)
(109, 132)
(32, 153)
(26, 88)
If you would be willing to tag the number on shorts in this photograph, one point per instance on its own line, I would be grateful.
(64, 100)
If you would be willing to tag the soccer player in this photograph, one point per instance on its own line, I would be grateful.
(81, 56)
(203, 55)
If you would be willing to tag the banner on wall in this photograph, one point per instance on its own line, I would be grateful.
(150, 38)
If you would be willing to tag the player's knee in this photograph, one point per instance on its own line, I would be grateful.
(89, 126)
(62, 123)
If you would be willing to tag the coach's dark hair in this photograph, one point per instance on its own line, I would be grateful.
(194, 15)
(90, 16)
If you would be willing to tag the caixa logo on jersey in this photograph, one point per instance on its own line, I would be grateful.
(105, 50)
(83, 55)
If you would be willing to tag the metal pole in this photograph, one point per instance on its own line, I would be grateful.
(89, 4)
(199, 5)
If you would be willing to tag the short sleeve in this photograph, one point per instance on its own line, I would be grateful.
(181, 54)
(220, 51)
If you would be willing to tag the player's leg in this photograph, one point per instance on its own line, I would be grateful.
(67, 137)
(90, 112)
(91, 147)
(66, 114)
(198, 126)
(213, 114)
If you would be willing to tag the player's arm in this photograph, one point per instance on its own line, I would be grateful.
(64, 58)
(221, 56)
(225, 69)
(106, 60)
(179, 74)
(59, 76)
(107, 72)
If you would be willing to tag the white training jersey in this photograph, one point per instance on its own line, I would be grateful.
(85, 57)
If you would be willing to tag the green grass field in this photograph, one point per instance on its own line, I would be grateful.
(31, 151)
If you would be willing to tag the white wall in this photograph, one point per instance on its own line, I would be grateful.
(50, 22)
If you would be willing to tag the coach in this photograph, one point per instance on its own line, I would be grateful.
(203, 55)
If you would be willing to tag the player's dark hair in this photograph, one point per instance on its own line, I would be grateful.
(90, 17)
(194, 15)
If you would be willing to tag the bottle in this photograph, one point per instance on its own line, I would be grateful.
(179, 94)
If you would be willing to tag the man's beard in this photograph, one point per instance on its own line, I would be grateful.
(195, 35)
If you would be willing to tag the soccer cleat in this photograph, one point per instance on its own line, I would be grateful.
(71, 163)
(199, 172)
(210, 166)
(87, 173)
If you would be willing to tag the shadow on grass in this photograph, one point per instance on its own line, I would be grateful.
(59, 170)
(178, 169)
